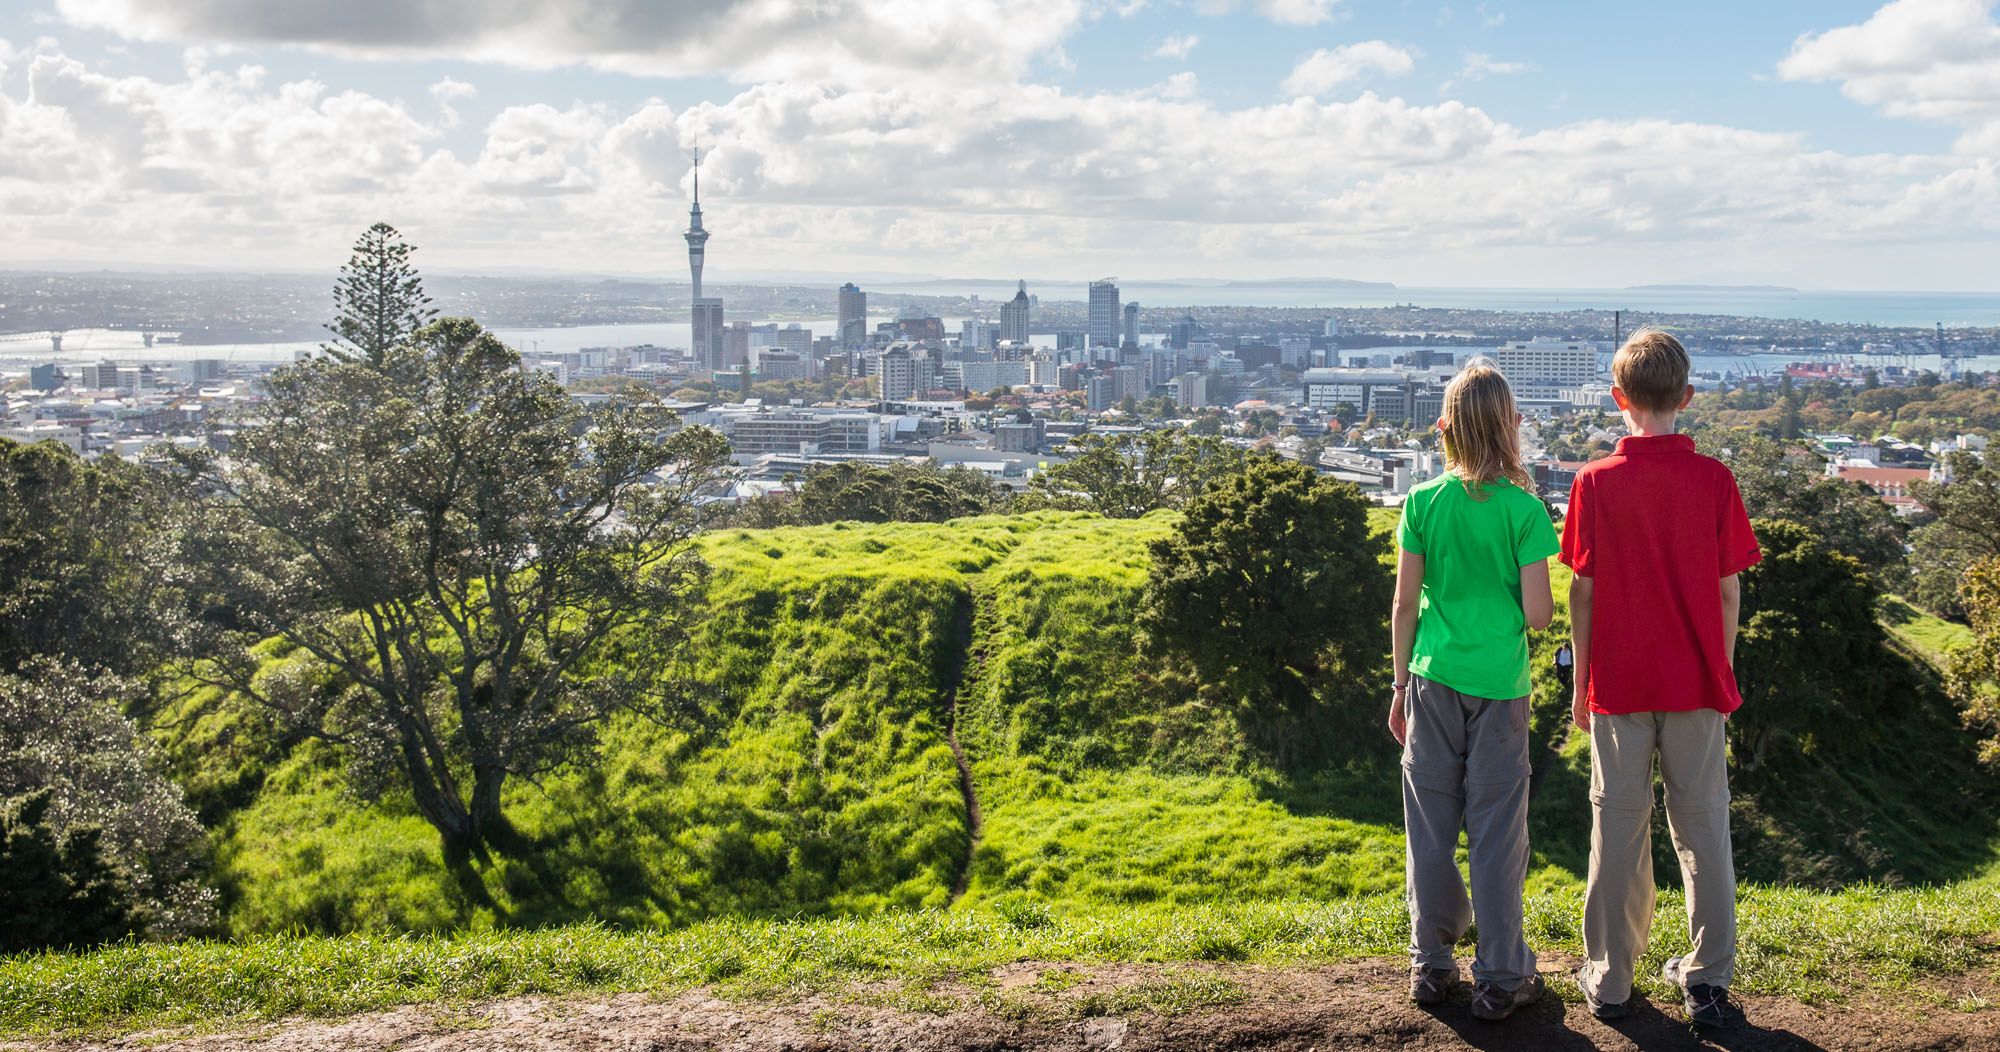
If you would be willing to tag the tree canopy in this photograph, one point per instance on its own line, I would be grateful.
(1811, 659)
(78, 576)
(485, 568)
(1271, 587)
(379, 299)
(1964, 528)
(1974, 676)
(1129, 474)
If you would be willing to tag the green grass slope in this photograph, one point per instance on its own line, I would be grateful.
(819, 781)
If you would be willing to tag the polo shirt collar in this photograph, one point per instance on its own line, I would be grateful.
(1631, 444)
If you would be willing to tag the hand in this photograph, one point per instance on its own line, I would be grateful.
(1579, 709)
(1399, 728)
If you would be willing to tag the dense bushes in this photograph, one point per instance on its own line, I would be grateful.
(94, 785)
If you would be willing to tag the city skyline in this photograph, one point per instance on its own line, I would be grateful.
(1825, 146)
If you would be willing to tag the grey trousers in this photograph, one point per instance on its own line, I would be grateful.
(1618, 904)
(1465, 766)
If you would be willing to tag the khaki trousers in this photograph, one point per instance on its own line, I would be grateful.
(1465, 768)
(1618, 905)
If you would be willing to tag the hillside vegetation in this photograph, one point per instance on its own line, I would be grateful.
(818, 779)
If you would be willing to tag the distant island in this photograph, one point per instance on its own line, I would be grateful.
(1710, 288)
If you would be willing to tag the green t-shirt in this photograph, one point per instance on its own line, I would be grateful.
(1471, 633)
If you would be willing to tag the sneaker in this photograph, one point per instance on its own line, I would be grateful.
(1430, 986)
(1493, 1002)
(1710, 1006)
(1606, 1010)
(1707, 1006)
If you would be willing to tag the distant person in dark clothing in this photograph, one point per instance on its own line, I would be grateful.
(1565, 666)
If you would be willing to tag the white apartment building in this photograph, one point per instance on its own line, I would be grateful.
(1551, 364)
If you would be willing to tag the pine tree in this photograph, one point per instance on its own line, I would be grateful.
(379, 301)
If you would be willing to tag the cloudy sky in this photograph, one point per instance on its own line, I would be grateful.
(1823, 144)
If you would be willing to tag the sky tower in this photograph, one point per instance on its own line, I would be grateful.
(697, 238)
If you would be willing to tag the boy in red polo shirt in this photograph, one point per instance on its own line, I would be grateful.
(1656, 535)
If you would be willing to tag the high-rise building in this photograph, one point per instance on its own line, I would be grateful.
(736, 345)
(1183, 332)
(1132, 324)
(1099, 392)
(1014, 316)
(1191, 391)
(901, 373)
(977, 334)
(708, 330)
(853, 317)
(1103, 313)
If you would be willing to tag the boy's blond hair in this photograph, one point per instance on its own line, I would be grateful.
(1482, 440)
(1652, 370)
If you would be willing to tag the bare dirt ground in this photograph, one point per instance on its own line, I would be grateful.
(1097, 1008)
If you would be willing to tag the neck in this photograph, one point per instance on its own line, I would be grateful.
(1650, 425)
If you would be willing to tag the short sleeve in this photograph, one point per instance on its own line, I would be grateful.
(1406, 532)
(1535, 539)
(1578, 535)
(1736, 544)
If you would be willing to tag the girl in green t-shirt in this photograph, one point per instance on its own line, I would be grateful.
(1473, 577)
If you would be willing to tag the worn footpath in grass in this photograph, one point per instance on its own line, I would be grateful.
(1793, 943)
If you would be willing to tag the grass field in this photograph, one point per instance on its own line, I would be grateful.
(806, 828)
(1863, 942)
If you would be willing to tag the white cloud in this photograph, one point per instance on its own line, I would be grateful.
(1491, 18)
(1297, 12)
(831, 41)
(1284, 12)
(1328, 68)
(1182, 85)
(1477, 66)
(1931, 60)
(996, 177)
(1177, 46)
(448, 91)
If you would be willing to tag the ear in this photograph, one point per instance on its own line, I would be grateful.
(1618, 396)
(1687, 396)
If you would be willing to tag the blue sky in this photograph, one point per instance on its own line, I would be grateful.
(1825, 144)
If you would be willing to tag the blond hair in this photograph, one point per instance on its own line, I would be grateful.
(1482, 442)
(1652, 370)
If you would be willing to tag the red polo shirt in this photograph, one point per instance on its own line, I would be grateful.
(1656, 527)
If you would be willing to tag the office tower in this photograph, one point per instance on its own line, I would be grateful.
(1104, 317)
(1132, 324)
(1014, 316)
(1332, 328)
(1183, 332)
(853, 331)
(707, 349)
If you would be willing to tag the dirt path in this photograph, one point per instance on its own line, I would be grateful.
(975, 821)
(1097, 1008)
